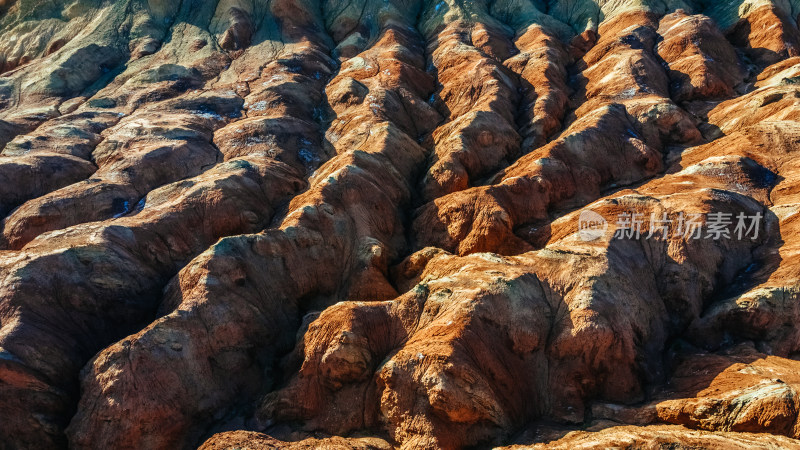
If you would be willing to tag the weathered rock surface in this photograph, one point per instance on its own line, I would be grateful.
(661, 436)
(259, 441)
(325, 224)
(751, 391)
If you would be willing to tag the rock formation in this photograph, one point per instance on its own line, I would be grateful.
(363, 225)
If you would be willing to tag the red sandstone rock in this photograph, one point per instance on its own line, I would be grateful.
(258, 441)
(660, 436)
(740, 391)
(702, 64)
(303, 224)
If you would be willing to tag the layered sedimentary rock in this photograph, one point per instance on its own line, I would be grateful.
(309, 223)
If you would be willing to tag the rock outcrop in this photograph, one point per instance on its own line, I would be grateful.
(399, 224)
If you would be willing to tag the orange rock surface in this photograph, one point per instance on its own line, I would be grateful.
(363, 225)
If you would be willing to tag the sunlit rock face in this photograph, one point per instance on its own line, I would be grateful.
(407, 224)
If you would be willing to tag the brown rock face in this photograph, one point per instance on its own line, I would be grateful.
(399, 224)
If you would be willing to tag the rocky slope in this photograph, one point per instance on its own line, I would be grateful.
(325, 224)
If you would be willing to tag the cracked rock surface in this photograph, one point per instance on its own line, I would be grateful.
(304, 224)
